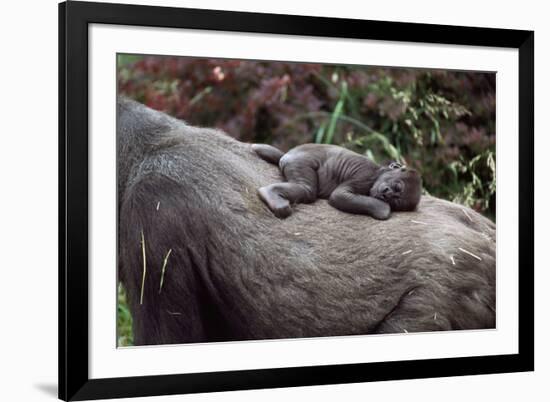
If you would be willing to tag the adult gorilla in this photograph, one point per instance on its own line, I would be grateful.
(220, 266)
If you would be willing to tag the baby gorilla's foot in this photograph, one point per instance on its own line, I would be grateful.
(276, 203)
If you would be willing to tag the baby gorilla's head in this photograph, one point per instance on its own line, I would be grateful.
(399, 186)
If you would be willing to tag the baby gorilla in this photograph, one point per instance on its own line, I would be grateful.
(351, 182)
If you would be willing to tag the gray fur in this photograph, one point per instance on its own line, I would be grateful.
(236, 272)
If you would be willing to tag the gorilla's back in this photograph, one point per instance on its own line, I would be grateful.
(237, 272)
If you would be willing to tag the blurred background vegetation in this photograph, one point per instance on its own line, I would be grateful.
(440, 122)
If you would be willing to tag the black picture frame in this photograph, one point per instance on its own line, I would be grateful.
(74, 18)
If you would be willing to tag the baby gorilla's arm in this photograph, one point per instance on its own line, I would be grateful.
(344, 199)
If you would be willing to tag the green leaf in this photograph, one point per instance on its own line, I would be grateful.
(200, 95)
(124, 60)
(370, 155)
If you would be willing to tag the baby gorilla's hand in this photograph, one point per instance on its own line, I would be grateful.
(380, 210)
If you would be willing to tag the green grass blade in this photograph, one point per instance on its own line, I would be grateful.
(333, 120)
(320, 134)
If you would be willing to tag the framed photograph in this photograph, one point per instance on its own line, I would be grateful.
(258, 200)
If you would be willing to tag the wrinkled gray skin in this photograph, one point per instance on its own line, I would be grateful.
(351, 182)
(236, 272)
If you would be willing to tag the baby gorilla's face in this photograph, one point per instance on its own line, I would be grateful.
(398, 186)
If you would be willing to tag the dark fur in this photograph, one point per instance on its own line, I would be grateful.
(236, 272)
(351, 182)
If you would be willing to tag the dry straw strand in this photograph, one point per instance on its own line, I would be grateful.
(469, 253)
(144, 266)
(469, 217)
(163, 269)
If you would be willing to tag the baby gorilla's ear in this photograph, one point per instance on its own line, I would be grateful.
(395, 165)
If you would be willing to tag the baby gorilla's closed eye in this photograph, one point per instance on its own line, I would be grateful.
(397, 187)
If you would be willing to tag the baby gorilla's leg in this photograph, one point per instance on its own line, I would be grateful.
(300, 188)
